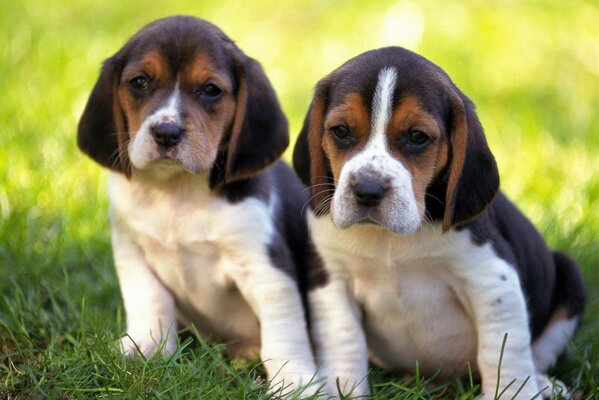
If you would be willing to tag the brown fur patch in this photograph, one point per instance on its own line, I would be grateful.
(152, 65)
(560, 314)
(206, 129)
(318, 171)
(201, 70)
(458, 150)
(354, 115)
(409, 116)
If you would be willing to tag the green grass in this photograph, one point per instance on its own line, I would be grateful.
(531, 67)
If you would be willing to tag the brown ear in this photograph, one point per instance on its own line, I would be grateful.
(309, 160)
(259, 134)
(102, 132)
(473, 176)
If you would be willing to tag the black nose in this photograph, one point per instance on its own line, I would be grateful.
(369, 194)
(167, 134)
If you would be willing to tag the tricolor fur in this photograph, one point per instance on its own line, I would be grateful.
(204, 229)
(420, 258)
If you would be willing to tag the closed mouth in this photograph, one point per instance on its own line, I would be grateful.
(368, 220)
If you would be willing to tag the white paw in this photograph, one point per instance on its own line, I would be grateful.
(348, 388)
(147, 345)
(507, 391)
(553, 388)
(292, 386)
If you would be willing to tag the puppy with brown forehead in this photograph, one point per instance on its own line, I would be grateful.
(205, 228)
(422, 260)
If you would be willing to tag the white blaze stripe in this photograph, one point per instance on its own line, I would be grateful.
(400, 211)
(381, 105)
(170, 113)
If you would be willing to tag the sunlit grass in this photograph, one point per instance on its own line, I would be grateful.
(531, 67)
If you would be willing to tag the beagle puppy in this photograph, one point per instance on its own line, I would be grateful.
(204, 229)
(421, 260)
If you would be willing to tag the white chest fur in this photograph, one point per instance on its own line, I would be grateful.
(194, 243)
(413, 306)
(178, 247)
(432, 298)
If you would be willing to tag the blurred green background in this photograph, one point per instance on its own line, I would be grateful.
(532, 68)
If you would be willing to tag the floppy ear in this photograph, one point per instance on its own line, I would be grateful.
(309, 160)
(473, 176)
(101, 132)
(259, 134)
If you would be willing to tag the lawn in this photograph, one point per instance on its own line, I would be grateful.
(531, 67)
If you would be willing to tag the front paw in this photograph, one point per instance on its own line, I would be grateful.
(133, 345)
(343, 387)
(520, 389)
(553, 388)
(293, 386)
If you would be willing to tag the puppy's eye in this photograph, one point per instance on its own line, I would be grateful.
(210, 91)
(341, 132)
(139, 83)
(418, 139)
(343, 136)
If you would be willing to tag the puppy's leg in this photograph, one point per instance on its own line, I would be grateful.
(149, 306)
(569, 299)
(340, 342)
(285, 347)
(553, 341)
(495, 301)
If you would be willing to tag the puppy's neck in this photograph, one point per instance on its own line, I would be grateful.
(170, 177)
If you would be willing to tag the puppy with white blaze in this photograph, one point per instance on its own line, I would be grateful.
(206, 228)
(421, 260)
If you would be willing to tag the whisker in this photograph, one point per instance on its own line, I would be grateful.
(119, 156)
(323, 206)
(428, 219)
(309, 199)
(324, 191)
(219, 162)
(434, 197)
(119, 134)
(316, 185)
(325, 199)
